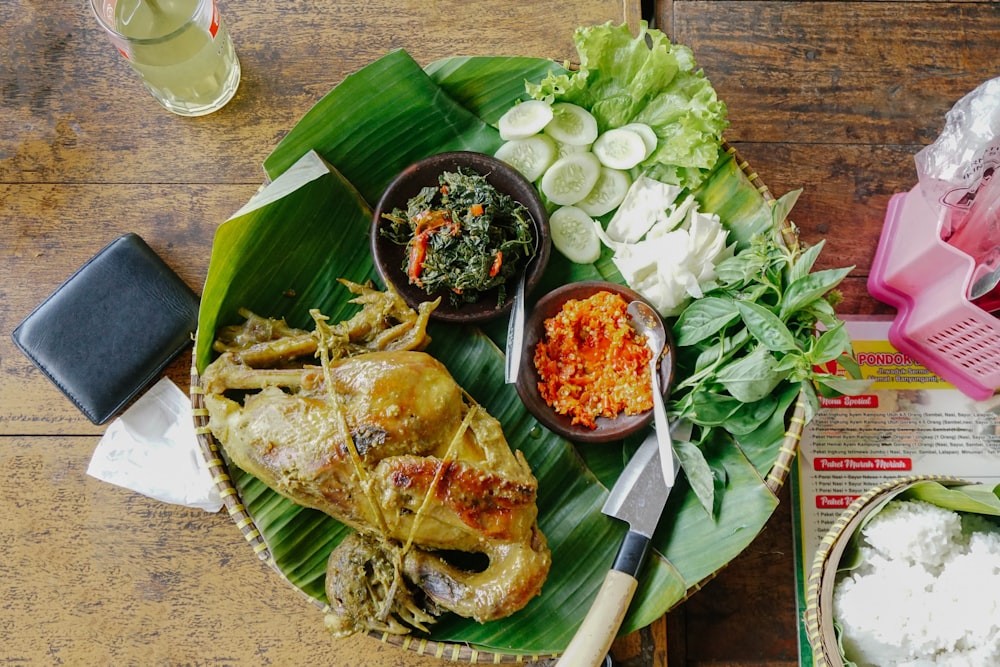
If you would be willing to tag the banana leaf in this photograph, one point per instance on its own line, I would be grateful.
(280, 255)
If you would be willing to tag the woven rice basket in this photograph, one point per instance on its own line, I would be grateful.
(822, 577)
(445, 650)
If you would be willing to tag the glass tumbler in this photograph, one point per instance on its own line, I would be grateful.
(180, 48)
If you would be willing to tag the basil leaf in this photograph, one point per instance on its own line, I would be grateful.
(739, 269)
(850, 364)
(757, 443)
(753, 377)
(793, 362)
(823, 311)
(783, 206)
(767, 328)
(724, 349)
(811, 287)
(711, 409)
(755, 293)
(811, 400)
(804, 264)
(698, 473)
(834, 385)
(703, 318)
(751, 416)
(832, 344)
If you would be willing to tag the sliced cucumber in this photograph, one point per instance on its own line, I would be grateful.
(530, 156)
(573, 235)
(647, 135)
(524, 119)
(570, 178)
(607, 194)
(572, 124)
(620, 148)
(562, 150)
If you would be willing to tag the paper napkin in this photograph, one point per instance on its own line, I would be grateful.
(152, 449)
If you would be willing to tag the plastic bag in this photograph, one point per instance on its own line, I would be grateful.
(958, 176)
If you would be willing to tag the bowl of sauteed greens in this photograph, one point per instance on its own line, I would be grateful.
(461, 227)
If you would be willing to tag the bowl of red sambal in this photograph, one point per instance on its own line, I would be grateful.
(585, 373)
(463, 227)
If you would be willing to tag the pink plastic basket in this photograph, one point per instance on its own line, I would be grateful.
(927, 281)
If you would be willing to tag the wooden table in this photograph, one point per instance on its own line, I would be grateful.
(831, 97)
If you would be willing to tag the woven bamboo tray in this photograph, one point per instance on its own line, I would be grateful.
(822, 577)
(456, 652)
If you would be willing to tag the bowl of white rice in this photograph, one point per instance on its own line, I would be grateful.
(909, 575)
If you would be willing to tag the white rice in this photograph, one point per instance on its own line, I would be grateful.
(927, 593)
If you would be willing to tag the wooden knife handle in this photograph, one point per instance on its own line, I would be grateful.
(595, 635)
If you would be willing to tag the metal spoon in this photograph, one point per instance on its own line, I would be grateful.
(515, 325)
(515, 333)
(987, 282)
(645, 321)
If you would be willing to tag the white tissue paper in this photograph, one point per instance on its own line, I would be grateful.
(152, 449)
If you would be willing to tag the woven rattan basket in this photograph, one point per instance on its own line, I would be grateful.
(775, 478)
(822, 577)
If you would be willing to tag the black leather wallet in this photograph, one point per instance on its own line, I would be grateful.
(111, 328)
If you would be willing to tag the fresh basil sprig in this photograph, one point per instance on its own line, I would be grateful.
(764, 333)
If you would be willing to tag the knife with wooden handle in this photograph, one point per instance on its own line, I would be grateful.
(638, 498)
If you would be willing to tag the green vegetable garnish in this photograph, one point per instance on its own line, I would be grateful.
(751, 341)
(463, 236)
(645, 79)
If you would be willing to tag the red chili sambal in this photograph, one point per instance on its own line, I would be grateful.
(592, 363)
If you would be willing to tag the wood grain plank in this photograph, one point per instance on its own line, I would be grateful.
(839, 72)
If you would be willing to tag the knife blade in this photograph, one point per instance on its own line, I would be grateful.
(638, 498)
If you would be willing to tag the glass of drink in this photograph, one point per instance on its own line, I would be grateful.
(181, 48)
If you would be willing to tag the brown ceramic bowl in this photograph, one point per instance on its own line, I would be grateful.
(527, 379)
(389, 257)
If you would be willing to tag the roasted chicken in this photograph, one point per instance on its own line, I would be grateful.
(381, 437)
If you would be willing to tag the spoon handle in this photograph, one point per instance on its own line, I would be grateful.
(515, 335)
(662, 426)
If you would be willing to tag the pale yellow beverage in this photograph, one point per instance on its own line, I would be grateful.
(180, 47)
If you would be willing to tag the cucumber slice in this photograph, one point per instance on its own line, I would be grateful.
(524, 119)
(647, 135)
(570, 178)
(562, 150)
(530, 156)
(608, 193)
(572, 124)
(620, 149)
(573, 235)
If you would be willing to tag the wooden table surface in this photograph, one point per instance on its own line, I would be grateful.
(832, 97)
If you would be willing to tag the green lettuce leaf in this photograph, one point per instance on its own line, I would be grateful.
(624, 78)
